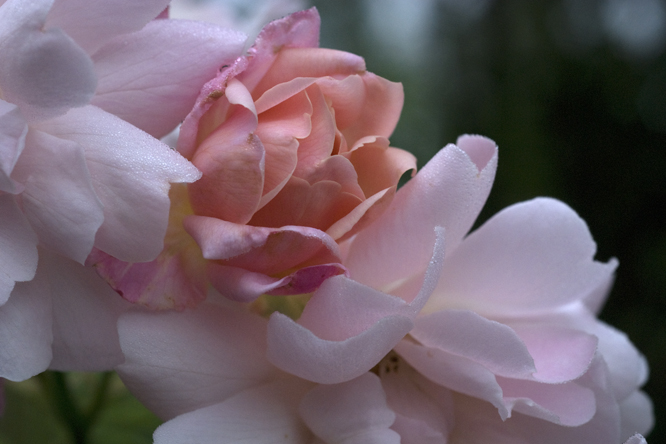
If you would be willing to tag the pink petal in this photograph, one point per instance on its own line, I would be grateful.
(424, 410)
(464, 333)
(298, 351)
(43, 70)
(560, 354)
(297, 30)
(455, 372)
(174, 280)
(567, 404)
(178, 362)
(263, 250)
(25, 330)
(18, 247)
(380, 166)
(13, 130)
(257, 415)
(354, 412)
(529, 257)
(131, 176)
(152, 77)
(51, 168)
(85, 313)
(92, 25)
(449, 191)
(241, 285)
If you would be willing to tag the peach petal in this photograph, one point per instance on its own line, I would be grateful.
(279, 128)
(380, 167)
(361, 216)
(318, 205)
(340, 170)
(260, 249)
(231, 161)
(281, 92)
(310, 62)
(320, 143)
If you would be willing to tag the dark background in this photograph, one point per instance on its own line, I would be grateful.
(574, 94)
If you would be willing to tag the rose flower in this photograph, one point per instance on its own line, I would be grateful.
(292, 141)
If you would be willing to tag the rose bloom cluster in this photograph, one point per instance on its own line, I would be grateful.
(283, 288)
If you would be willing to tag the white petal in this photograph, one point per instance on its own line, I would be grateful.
(263, 415)
(43, 70)
(18, 247)
(85, 313)
(25, 330)
(151, 78)
(59, 200)
(178, 362)
(13, 130)
(354, 412)
(92, 24)
(131, 173)
(530, 257)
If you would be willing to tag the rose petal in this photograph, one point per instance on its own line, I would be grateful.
(13, 130)
(449, 191)
(152, 77)
(529, 257)
(178, 362)
(274, 406)
(637, 414)
(85, 313)
(43, 70)
(25, 330)
(298, 351)
(92, 25)
(354, 412)
(18, 247)
(51, 168)
(131, 176)
(259, 249)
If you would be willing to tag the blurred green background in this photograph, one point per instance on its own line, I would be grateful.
(574, 94)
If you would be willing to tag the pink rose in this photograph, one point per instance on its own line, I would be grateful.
(292, 141)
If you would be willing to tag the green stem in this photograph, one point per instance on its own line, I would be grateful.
(100, 397)
(58, 392)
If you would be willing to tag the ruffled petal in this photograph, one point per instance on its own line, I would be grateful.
(85, 313)
(354, 412)
(25, 330)
(258, 415)
(49, 169)
(43, 70)
(93, 24)
(530, 257)
(178, 362)
(152, 77)
(131, 176)
(297, 350)
(449, 191)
